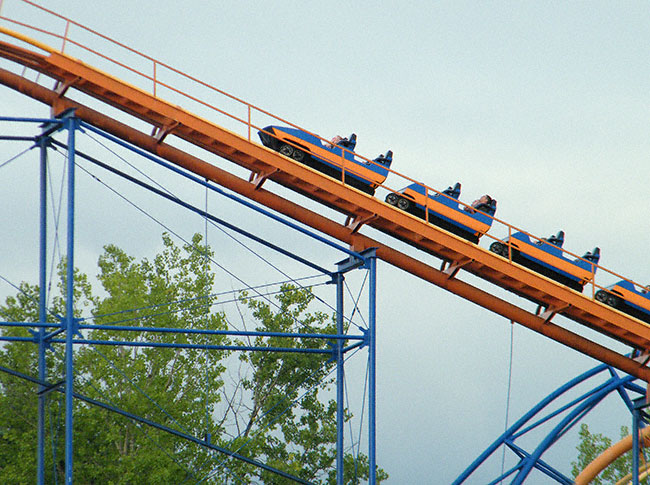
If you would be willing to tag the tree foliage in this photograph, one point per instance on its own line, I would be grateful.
(275, 409)
(591, 446)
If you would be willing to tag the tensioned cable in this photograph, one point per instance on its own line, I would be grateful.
(173, 195)
(163, 409)
(162, 427)
(186, 241)
(355, 452)
(193, 177)
(225, 270)
(29, 297)
(214, 295)
(138, 388)
(144, 432)
(187, 300)
(138, 425)
(103, 395)
(356, 303)
(299, 398)
(206, 340)
(503, 455)
(211, 222)
(134, 167)
(56, 244)
(15, 157)
(56, 215)
(216, 467)
(171, 231)
(142, 392)
(160, 314)
(289, 405)
(180, 310)
(363, 409)
(166, 227)
(175, 302)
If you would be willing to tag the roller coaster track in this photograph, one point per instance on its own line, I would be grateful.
(72, 75)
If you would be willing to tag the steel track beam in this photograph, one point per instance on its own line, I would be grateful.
(332, 193)
(321, 223)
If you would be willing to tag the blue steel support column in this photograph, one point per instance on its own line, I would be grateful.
(71, 125)
(340, 382)
(42, 282)
(372, 337)
(635, 446)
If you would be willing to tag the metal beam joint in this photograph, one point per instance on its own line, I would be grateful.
(40, 337)
(353, 262)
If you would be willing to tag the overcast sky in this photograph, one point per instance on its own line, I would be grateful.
(543, 105)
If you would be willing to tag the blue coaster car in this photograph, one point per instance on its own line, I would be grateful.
(332, 160)
(546, 257)
(628, 298)
(445, 211)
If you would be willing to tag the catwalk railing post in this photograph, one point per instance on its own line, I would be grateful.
(42, 282)
(71, 126)
(340, 381)
(372, 336)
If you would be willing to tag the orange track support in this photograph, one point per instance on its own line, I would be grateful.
(360, 208)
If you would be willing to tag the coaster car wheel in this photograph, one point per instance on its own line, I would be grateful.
(404, 204)
(286, 150)
(499, 248)
(392, 198)
(608, 298)
(601, 295)
(613, 300)
(299, 155)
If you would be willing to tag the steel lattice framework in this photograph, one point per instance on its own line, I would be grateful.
(560, 419)
(68, 331)
(142, 101)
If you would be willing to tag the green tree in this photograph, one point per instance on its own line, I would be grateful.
(18, 401)
(591, 446)
(275, 411)
(296, 438)
(18, 404)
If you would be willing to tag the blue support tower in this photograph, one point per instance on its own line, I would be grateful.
(372, 364)
(340, 380)
(42, 313)
(639, 417)
(67, 331)
(71, 126)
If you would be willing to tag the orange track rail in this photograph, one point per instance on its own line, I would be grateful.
(456, 253)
